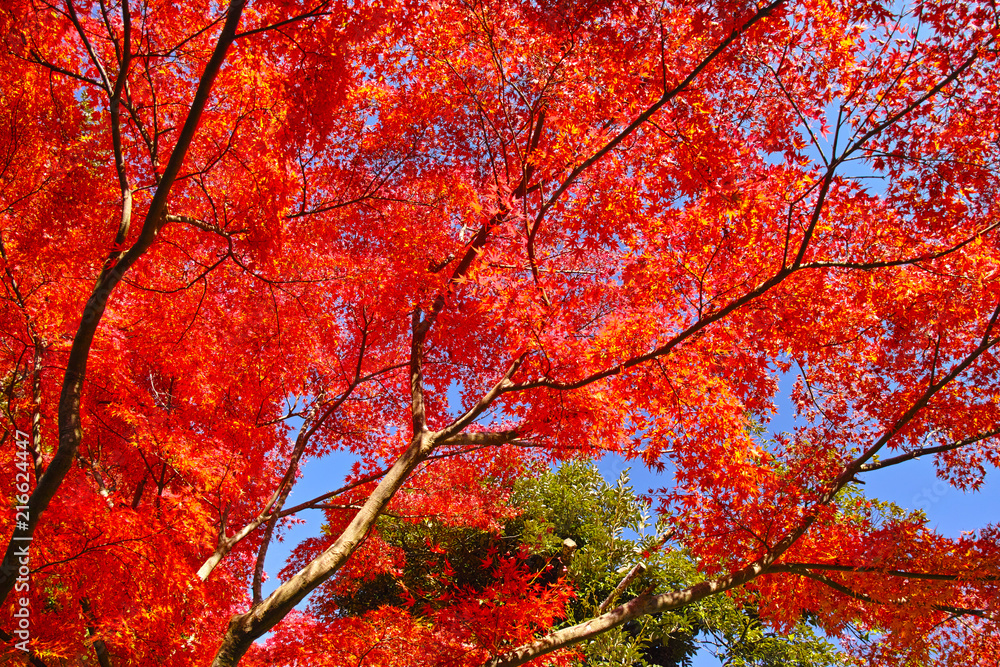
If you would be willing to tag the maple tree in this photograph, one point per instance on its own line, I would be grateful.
(458, 237)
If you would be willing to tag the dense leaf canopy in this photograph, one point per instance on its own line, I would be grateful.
(460, 238)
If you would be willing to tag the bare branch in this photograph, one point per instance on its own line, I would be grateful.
(105, 81)
(245, 628)
(644, 604)
(667, 96)
(200, 224)
(906, 261)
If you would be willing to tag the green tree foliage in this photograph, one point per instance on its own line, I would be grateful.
(614, 538)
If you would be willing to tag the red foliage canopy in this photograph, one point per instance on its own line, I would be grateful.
(451, 237)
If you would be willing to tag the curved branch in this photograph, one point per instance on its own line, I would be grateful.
(667, 96)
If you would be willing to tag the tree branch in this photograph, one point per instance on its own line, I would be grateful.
(472, 413)
(924, 451)
(867, 569)
(417, 409)
(643, 605)
(100, 647)
(245, 628)
(862, 597)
